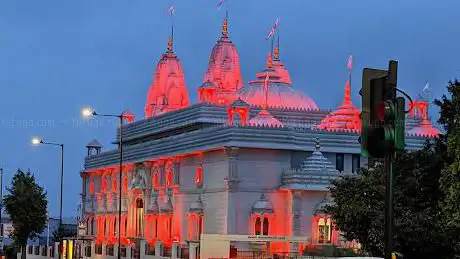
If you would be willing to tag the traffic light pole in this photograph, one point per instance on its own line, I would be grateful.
(389, 205)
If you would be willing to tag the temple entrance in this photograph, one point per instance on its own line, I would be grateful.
(219, 246)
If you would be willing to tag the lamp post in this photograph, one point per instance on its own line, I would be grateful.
(38, 141)
(87, 113)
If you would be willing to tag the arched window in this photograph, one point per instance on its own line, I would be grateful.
(156, 227)
(170, 228)
(91, 186)
(169, 178)
(257, 226)
(324, 230)
(125, 184)
(265, 227)
(139, 216)
(92, 226)
(155, 180)
(115, 229)
(114, 184)
(199, 176)
(200, 225)
(88, 222)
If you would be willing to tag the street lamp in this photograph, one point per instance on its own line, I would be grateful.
(88, 113)
(39, 141)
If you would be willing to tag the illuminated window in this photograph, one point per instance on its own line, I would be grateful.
(200, 226)
(257, 226)
(155, 180)
(265, 227)
(114, 184)
(139, 217)
(324, 230)
(104, 184)
(125, 184)
(169, 177)
(91, 187)
(199, 176)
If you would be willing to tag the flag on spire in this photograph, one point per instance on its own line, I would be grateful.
(171, 10)
(220, 3)
(273, 29)
(350, 62)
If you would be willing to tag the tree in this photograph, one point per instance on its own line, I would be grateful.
(450, 177)
(426, 195)
(27, 205)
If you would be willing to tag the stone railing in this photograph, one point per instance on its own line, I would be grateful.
(84, 249)
(40, 252)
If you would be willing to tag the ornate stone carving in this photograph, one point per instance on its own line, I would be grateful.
(232, 179)
(139, 180)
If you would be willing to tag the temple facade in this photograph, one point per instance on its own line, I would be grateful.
(247, 159)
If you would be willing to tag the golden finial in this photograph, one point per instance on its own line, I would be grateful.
(170, 45)
(225, 26)
(276, 54)
(317, 145)
(269, 60)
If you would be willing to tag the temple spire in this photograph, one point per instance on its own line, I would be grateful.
(225, 26)
(171, 11)
(347, 95)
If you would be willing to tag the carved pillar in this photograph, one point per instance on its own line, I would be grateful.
(232, 179)
(296, 212)
(176, 169)
(84, 177)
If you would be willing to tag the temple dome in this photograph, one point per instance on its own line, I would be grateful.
(345, 117)
(424, 129)
(262, 205)
(168, 91)
(265, 119)
(280, 93)
(224, 68)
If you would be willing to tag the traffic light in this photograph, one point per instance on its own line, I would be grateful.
(381, 130)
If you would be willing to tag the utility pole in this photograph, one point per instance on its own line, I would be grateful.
(383, 131)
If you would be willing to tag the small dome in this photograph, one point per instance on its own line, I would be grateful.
(319, 207)
(197, 206)
(424, 129)
(315, 173)
(208, 85)
(94, 143)
(264, 118)
(238, 103)
(262, 205)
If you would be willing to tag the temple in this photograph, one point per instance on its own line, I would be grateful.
(247, 160)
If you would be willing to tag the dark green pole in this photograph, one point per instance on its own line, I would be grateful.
(388, 205)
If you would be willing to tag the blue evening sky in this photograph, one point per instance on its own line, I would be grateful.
(57, 56)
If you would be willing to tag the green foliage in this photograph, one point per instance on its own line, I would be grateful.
(27, 205)
(450, 179)
(358, 207)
